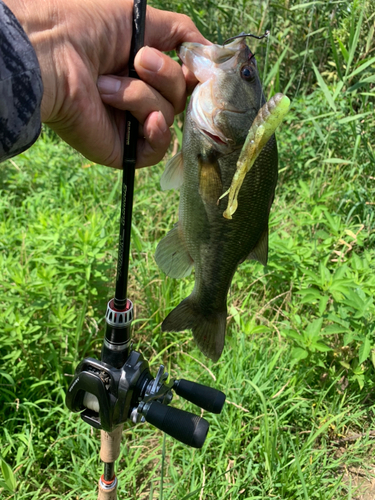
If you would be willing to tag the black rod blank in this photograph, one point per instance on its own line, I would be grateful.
(129, 160)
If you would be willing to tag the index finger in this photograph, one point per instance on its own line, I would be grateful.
(166, 30)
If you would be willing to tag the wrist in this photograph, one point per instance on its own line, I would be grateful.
(40, 21)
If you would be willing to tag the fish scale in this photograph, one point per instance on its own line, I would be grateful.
(203, 171)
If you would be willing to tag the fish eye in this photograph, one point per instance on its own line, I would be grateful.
(247, 72)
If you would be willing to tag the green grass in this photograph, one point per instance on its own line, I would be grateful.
(298, 366)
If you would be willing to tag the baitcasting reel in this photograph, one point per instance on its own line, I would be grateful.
(121, 387)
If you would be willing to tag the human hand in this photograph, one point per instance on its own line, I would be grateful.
(79, 41)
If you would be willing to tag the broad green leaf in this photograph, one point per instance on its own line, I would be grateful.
(297, 353)
(339, 286)
(345, 365)
(136, 238)
(360, 379)
(314, 328)
(364, 350)
(10, 480)
(340, 271)
(348, 338)
(321, 346)
(323, 304)
(7, 377)
(309, 295)
(334, 330)
(291, 334)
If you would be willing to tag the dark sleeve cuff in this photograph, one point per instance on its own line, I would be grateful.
(21, 88)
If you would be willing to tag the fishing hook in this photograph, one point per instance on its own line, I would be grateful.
(244, 35)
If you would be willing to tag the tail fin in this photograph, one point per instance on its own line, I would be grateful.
(208, 329)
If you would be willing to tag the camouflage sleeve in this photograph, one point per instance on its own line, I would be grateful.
(21, 87)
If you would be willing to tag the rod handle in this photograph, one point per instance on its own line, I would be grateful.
(181, 425)
(107, 492)
(110, 444)
(205, 397)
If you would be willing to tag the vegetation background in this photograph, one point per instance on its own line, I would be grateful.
(298, 366)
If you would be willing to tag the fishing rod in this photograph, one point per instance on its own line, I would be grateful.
(120, 387)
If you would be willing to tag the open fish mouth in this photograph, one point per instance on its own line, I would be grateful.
(213, 133)
(190, 53)
(215, 138)
(206, 125)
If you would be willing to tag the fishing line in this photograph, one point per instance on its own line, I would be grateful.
(265, 60)
(265, 64)
(245, 35)
(306, 51)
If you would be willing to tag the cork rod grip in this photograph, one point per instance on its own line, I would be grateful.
(110, 445)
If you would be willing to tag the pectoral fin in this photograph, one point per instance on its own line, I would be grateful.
(172, 256)
(260, 252)
(173, 175)
(210, 185)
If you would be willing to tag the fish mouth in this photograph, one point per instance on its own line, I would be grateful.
(190, 52)
(218, 140)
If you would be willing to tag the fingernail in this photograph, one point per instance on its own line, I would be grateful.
(151, 59)
(108, 84)
(162, 124)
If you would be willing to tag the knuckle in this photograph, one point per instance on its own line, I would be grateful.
(180, 105)
(187, 22)
(169, 115)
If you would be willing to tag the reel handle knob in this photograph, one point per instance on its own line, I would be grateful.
(182, 425)
(203, 396)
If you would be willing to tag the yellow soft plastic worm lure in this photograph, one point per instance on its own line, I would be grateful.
(266, 122)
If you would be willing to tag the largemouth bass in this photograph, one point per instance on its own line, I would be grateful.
(221, 111)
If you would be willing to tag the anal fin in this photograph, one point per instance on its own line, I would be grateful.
(260, 251)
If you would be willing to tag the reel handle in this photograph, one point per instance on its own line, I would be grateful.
(205, 397)
(181, 425)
